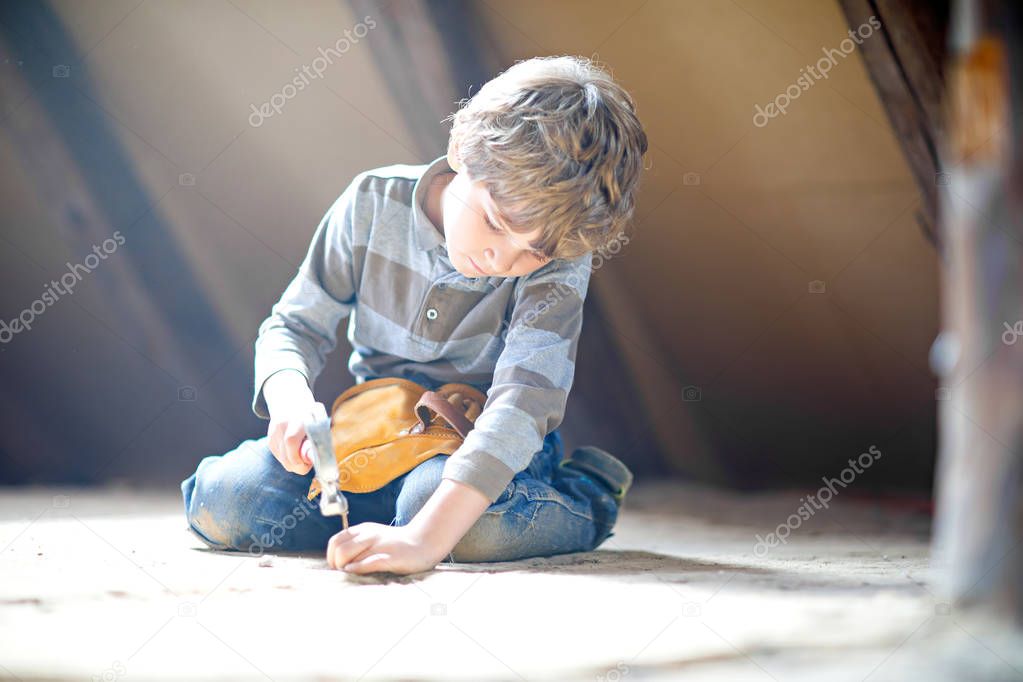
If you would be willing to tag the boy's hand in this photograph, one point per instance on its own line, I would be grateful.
(374, 547)
(290, 403)
(286, 435)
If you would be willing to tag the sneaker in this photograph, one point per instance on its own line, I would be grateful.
(604, 467)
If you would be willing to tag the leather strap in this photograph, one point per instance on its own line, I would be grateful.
(431, 400)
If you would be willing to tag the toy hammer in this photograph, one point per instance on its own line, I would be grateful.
(318, 448)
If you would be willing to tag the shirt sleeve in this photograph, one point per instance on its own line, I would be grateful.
(302, 327)
(532, 379)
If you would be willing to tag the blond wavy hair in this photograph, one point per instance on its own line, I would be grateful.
(558, 145)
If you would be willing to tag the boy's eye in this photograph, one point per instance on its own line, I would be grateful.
(490, 223)
(539, 255)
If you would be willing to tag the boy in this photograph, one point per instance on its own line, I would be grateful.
(470, 269)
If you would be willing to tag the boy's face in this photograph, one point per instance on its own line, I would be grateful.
(475, 242)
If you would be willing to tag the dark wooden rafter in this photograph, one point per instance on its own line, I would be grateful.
(429, 57)
(906, 65)
(148, 299)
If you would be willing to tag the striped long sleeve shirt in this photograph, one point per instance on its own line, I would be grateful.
(377, 259)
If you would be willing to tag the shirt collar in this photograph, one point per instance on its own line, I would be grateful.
(428, 235)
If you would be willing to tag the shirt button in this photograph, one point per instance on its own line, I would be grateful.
(431, 314)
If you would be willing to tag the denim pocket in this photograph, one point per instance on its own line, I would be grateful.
(544, 492)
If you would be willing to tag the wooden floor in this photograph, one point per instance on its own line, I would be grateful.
(109, 585)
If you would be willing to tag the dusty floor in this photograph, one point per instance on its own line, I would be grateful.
(109, 585)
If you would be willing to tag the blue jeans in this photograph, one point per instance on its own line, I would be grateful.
(246, 501)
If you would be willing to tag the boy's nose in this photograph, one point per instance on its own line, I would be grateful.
(495, 262)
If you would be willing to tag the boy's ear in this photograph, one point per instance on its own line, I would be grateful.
(453, 160)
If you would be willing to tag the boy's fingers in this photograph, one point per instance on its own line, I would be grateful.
(343, 551)
(292, 443)
(371, 564)
(294, 446)
(294, 464)
(300, 468)
(305, 452)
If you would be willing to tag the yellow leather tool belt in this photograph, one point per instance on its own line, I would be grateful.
(383, 428)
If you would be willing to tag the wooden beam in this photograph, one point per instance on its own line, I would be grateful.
(979, 524)
(905, 61)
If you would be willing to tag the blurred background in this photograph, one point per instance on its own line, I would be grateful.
(769, 319)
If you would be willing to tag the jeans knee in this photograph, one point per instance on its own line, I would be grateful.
(494, 537)
(204, 515)
(417, 488)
